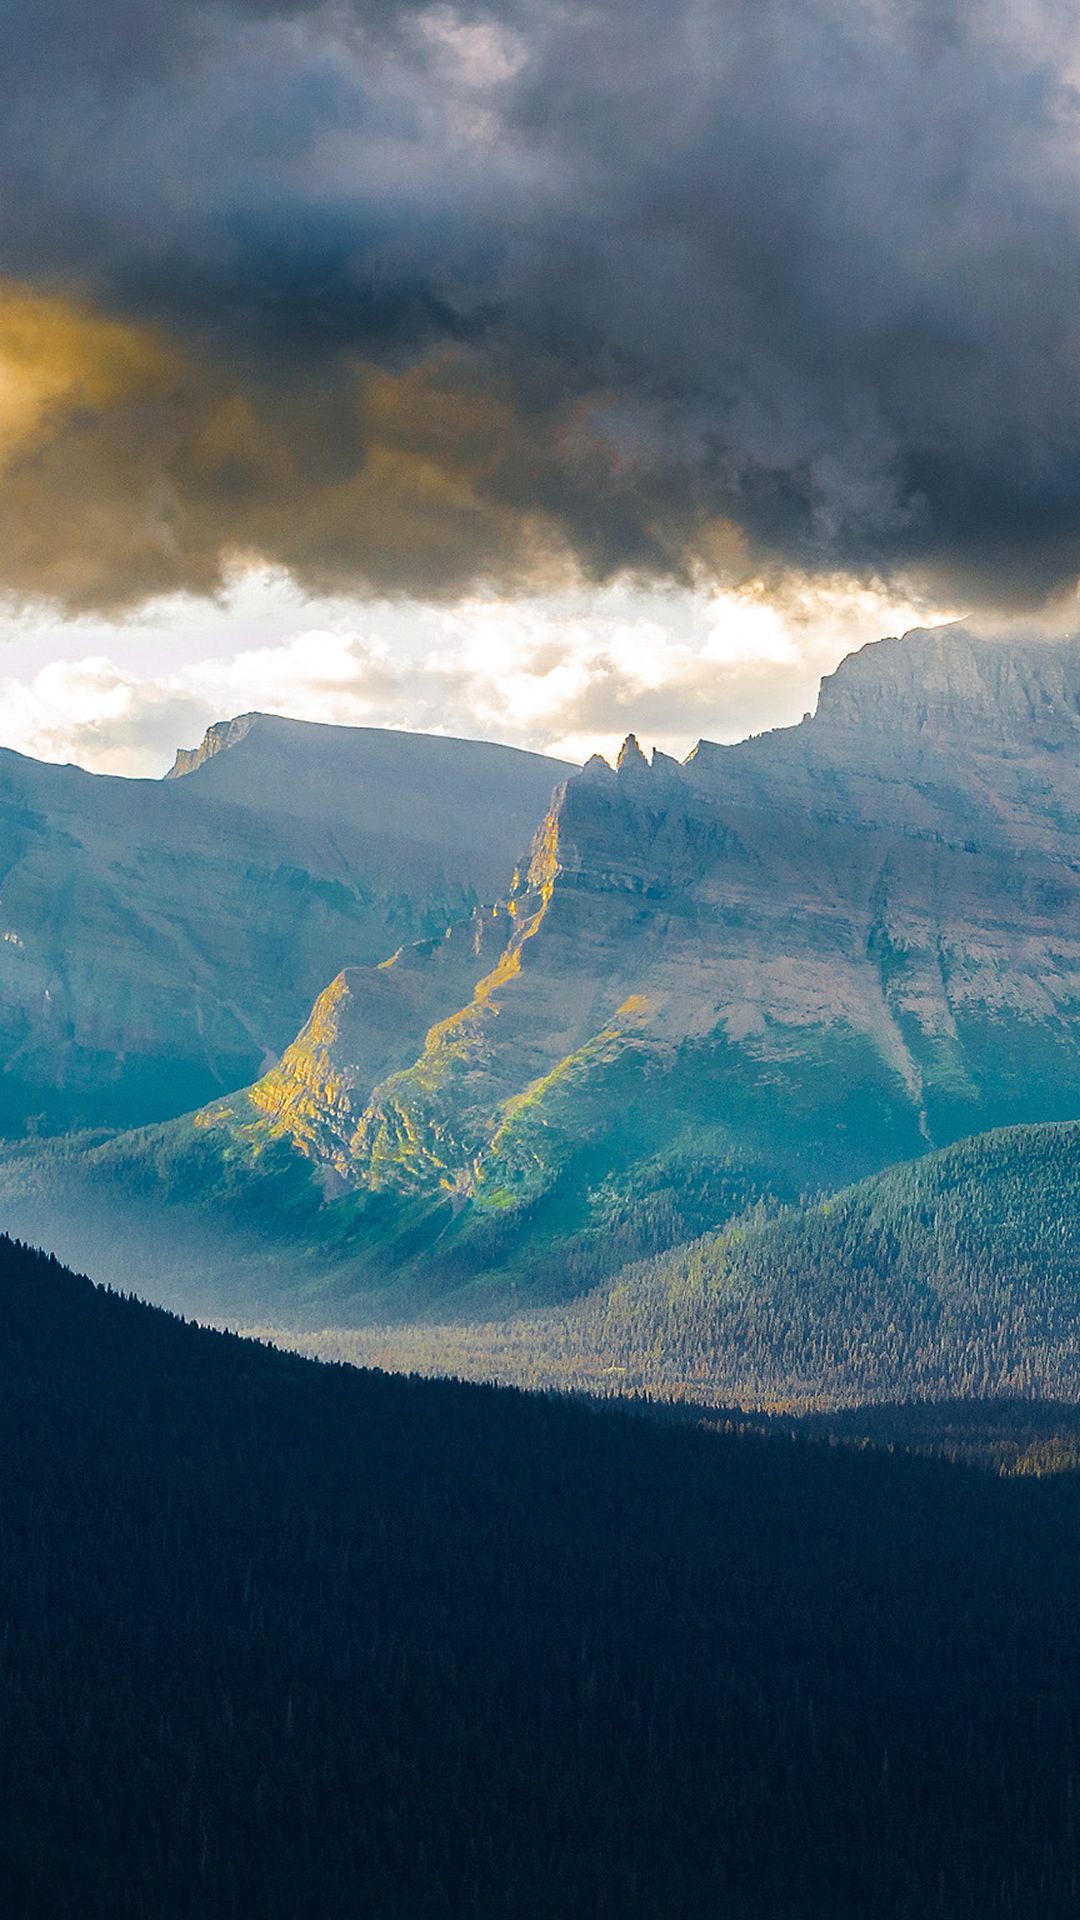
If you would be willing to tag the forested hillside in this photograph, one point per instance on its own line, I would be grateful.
(301, 1643)
(955, 1275)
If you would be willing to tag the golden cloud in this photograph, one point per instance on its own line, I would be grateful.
(58, 359)
(131, 467)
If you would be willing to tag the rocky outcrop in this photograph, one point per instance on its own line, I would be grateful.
(367, 1024)
(948, 685)
(221, 735)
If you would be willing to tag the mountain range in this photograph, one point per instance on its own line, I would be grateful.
(739, 983)
(161, 941)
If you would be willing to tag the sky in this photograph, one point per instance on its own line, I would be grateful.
(528, 370)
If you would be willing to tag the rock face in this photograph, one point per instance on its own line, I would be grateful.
(769, 972)
(161, 941)
(222, 734)
(367, 1024)
(946, 685)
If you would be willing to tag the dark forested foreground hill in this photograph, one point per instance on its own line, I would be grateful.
(306, 1644)
(956, 1275)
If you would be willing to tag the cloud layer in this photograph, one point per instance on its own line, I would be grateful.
(413, 297)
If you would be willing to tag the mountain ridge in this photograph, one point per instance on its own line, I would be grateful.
(767, 973)
(440, 787)
(163, 940)
(949, 681)
(222, 735)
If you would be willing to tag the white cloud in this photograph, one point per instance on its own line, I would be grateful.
(91, 712)
(569, 676)
(471, 53)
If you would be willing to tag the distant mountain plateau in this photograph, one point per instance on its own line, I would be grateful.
(161, 941)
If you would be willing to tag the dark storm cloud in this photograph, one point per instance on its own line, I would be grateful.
(434, 293)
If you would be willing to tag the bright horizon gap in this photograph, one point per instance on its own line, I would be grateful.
(566, 674)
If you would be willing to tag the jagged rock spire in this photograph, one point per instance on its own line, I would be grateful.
(596, 768)
(662, 773)
(631, 759)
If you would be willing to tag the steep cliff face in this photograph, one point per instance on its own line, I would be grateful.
(769, 972)
(221, 735)
(922, 734)
(924, 904)
(947, 686)
(160, 941)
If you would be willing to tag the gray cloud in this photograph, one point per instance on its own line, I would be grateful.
(447, 294)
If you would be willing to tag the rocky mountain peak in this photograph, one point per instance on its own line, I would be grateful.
(596, 768)
(633, 769)
(222, 734)
(631, 760)
(952, 683)
(666, 771)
